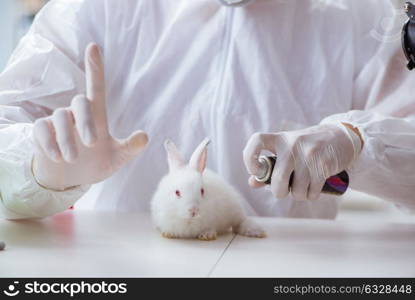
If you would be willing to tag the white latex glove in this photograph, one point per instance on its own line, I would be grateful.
(313, 154)
(73, 146)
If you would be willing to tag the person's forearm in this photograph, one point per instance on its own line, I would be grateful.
(356, 131)
(21, 196)
(385, 165)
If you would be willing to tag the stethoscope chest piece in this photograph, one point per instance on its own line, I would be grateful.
(408, 35)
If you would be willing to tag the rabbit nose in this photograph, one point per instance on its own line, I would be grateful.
(194, 211)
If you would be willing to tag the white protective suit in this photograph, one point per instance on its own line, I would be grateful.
(185, 69)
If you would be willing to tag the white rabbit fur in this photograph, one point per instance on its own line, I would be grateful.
(179, 209)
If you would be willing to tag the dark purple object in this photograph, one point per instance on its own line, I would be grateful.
(335, 185)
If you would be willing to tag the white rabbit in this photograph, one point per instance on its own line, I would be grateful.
(191, 202)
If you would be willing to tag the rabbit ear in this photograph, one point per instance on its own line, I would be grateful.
(174, 157)
(199, 157)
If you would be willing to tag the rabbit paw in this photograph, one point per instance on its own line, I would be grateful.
(209, 235)
(250, 229)
(168, 235)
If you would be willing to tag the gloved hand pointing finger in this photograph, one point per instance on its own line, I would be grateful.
(73, 146)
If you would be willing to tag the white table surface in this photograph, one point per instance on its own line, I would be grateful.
(103, 244)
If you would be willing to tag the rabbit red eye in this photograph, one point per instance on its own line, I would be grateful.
(202, 191)
(178, 193)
